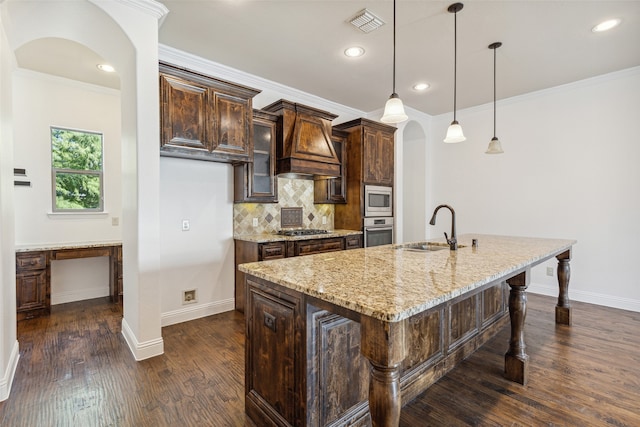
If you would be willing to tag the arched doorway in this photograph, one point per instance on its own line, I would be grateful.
(414, 192)
(126, 35)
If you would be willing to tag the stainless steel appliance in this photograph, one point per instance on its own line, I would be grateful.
(378, 201)
(378, 231)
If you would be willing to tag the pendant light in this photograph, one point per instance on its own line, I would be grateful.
(454, 132)
(494, 146)
(393, 109)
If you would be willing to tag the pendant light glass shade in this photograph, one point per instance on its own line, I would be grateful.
(495, 147)
(393, 109)
(454, 133)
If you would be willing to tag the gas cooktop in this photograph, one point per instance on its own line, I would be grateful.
(301, 232)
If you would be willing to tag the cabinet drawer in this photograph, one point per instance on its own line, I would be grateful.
(271, 251)
(352, 242)
(31, 261)
(308, 247)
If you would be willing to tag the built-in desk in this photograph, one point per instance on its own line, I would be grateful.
(33, 273)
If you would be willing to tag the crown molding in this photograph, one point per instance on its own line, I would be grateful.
(214, 69)
(150, 7)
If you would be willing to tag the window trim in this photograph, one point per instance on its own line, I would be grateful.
(98, 173)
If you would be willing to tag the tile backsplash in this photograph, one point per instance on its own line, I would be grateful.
(291, 193)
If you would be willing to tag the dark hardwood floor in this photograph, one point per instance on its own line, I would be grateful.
(75, 370)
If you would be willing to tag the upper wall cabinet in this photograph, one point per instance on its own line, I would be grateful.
(370, 147)
(204, 118)
(334, 190)
(256, 182)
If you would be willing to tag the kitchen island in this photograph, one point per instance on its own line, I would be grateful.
(346, 338)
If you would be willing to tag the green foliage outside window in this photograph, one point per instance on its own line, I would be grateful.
(77, 170)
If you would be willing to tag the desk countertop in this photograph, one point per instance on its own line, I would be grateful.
(60, 246)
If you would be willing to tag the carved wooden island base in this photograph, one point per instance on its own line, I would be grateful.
(348, 338)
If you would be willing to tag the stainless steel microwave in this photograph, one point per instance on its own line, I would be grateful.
(378, 201)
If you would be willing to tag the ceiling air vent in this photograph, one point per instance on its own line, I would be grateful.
(366, 21)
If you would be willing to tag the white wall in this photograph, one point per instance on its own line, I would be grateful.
(8, 340)
(570, 170)
(414, 186)
(42, 101)
(203, 257)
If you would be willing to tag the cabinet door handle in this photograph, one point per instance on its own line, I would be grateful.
(270, 321)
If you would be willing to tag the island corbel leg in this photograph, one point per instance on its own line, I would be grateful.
(563, 308)
(516, 360)
(383, 344)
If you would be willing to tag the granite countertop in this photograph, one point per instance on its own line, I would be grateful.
(271, 237)
(390, 283)
(59, 246)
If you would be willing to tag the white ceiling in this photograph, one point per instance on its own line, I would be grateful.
(300, 44)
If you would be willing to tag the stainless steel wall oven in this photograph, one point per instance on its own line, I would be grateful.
(378, 231)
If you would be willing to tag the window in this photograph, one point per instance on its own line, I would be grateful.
(76, 170)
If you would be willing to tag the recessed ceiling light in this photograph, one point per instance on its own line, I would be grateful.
(421, 86)
(606, 25)
(354, 52)
(106, 68)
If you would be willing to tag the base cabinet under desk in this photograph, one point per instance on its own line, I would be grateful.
(33, 275)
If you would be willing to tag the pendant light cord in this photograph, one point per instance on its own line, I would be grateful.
(394, 47)
(455, 61)
(494, 92)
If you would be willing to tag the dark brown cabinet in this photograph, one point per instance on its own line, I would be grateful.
(116, 273)
(353, 242)
(334, 190)
(301, 356)
(370, 145)
(246, 251)
(33, 295)
(204, 118)
(314, 246)
(251, 252)
(273, 320)
(378, 156)
(257, 181)
(370, 156)
(33, 275)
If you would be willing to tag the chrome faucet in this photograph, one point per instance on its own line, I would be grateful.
(453, 242)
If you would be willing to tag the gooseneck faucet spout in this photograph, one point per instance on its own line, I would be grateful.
(453, 241)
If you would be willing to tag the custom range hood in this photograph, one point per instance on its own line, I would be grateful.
(304, 148)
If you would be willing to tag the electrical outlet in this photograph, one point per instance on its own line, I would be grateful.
(115, 221)
(186, 225)
(324, 220)
(255, 222)
(189, 296)
(549, 271)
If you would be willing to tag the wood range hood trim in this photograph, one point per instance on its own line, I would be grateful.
(304, 147)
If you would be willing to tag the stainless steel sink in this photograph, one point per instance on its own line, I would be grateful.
(426, 247)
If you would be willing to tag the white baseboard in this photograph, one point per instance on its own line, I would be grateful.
(141, 350)
(9, 373)
(78, 295)
(589, 297)
(192, 312)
